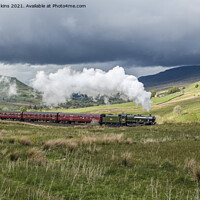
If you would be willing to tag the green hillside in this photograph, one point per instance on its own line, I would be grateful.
(15, 94)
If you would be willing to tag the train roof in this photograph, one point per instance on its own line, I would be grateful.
(41, 112)
(61, 113)
(10, 111)
(79, 114)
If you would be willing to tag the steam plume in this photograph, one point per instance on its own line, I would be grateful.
(59, 86)
(9, 86)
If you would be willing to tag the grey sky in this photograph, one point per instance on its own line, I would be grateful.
(131, 33)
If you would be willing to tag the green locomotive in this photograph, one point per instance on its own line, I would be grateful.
(127, 120)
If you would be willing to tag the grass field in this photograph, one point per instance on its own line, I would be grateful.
(150, 162)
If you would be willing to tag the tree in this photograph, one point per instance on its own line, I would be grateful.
(23, 108)
(173, 90)
(153, 93)
(35, 107)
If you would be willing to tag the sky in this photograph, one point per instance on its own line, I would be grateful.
(143, 36)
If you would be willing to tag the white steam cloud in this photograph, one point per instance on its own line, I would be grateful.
(58, 87)
(9, 87)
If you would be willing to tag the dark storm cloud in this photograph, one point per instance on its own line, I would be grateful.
(135, 32)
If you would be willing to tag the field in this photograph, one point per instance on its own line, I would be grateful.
(151, 162)
(98, 162)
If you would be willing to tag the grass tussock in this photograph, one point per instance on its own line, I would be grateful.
(25, 141)
(177, 109)
(25, 132)
(103, 139)
(36, 155)
(193, 169)
(14, 156)
(126, 158)
(93, 149)
(150, 140)
(5, 132)
(54, 143)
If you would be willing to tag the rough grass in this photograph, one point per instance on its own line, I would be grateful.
(36, 155)
(25, 141)
(150, 162)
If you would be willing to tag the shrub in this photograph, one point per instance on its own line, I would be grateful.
(23, 108)
(153, 93)
(197, 85)
(25, 141)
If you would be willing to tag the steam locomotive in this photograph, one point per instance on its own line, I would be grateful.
(118, 120)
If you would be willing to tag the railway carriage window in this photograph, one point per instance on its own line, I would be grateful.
(36, 115)
(50, 115)
(47, 116)
(43, 115)
(40, 115)
(63, 116)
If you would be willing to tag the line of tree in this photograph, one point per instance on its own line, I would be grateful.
(173, 89)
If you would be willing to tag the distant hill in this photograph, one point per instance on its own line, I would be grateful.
(14, 93)
(180, 76)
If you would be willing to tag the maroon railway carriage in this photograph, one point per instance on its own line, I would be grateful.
(78, 117)
(11, 115)
(40, 116)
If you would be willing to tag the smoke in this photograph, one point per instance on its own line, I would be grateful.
(8, 86)
(58, 87)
